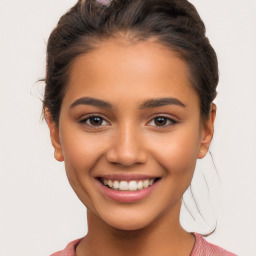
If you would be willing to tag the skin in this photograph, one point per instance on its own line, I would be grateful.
(128, 139)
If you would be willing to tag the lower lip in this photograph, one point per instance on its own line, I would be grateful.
(126, 196)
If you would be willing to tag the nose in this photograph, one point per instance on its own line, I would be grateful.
(127, 147)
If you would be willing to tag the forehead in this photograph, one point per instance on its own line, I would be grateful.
(144, 69)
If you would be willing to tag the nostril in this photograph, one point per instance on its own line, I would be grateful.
(126, 147)
(122, 157)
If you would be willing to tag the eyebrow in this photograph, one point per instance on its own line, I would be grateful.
(151, 103)
(93, 102)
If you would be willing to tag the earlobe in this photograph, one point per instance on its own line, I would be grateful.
(201, 154)
(54, 133)
(207, 133)
(58, 156)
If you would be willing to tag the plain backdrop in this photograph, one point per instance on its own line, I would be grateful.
(39, 213)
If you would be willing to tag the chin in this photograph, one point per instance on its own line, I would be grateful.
(129, 223)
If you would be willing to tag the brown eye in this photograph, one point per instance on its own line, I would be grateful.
(162, 121)
(94, 121)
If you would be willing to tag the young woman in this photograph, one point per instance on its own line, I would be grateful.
(129, 103)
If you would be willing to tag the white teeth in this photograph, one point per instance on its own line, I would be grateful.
(140, 185)
(145, 183)
(123, 185)
(132, 185)
(116, 184)
(128, 186)
(110, 183)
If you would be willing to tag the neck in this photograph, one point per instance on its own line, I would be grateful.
(163, 237)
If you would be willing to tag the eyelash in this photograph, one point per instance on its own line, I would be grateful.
(167, 119)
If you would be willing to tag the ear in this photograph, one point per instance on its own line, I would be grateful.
(207, 131)
(54, 133)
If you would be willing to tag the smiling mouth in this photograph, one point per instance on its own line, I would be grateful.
(132, 185)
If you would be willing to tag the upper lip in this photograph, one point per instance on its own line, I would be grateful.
(126, 177)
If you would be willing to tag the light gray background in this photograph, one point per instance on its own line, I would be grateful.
(39, 213)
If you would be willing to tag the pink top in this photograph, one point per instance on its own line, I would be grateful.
(201, 248)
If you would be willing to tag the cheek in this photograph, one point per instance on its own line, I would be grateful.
(81, 150)
(177, 152)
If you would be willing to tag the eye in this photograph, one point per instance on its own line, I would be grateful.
(95, 121)
(162, 121)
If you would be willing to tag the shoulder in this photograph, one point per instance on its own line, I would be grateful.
(69, 250)
(204, 248)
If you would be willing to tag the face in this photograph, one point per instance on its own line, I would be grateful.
(130, 119)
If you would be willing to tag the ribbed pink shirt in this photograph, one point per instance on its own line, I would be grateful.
(201, 248)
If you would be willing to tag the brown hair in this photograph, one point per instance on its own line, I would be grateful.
(174, 23)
